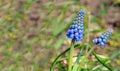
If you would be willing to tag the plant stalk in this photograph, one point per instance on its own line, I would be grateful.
(71, 53)
(57, 58)
(77, 60)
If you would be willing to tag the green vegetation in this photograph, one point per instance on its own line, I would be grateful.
(33, 34)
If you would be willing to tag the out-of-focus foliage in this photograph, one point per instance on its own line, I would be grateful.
(32, 32)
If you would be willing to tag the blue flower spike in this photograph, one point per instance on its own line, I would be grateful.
(76, 29)
(102, 39)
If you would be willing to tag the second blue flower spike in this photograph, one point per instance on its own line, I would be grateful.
(76, 29)
(102, 39)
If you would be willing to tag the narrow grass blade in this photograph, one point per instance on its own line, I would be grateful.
(62, 53)
(109, 68)
(77, 60)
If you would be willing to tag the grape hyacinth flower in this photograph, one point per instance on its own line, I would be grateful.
(102, 39)
(76, 29)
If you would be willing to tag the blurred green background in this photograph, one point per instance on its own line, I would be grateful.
(33, 32)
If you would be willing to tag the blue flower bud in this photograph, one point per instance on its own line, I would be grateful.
(77, 38)
(95, 40)
(75, 30)
(72, 36)
(76, 34)
(80, 31)
(101, 36)
(72, 26)
(99, 39)
(71, 31)
(102, 44)
(104, 40)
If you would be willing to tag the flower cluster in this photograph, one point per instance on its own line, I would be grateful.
(102, 39)
(76, 29)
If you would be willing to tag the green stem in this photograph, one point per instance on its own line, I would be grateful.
(77, 60)
(56, 59)
(71, 53)
(84, 58)
(101, 61)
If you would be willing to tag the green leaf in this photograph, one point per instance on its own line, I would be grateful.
(62, 53)
(104, 58)
(77, 60)
(102, 62)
